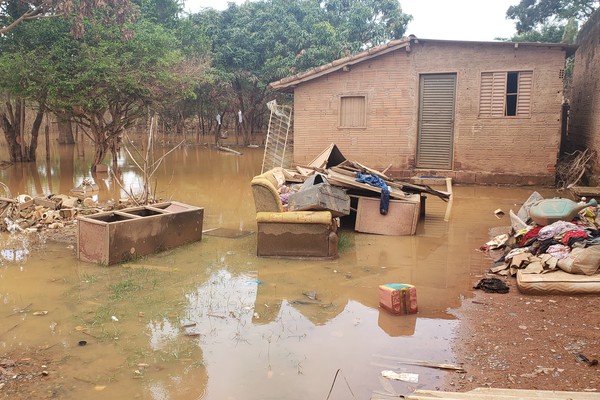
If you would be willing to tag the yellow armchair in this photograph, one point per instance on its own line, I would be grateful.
(290, 234)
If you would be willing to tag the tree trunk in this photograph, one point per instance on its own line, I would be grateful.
(11, 134)
(35, 131)
(65, 129)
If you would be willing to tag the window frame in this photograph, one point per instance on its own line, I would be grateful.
(341, 110)
(494, 95)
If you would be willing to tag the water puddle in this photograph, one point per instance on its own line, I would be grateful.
(210, 320)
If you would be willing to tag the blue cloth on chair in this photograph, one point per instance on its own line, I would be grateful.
(374, 180)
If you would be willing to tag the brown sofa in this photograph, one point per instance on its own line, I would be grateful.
(290, 234)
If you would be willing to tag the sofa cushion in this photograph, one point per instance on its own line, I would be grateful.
(296, 217)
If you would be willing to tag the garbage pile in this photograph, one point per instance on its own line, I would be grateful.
(27, 214)
(549, 235)
(331, 170)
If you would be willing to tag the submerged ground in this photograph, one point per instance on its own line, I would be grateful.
(213, 321)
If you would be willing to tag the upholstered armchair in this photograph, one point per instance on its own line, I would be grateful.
(290, 234)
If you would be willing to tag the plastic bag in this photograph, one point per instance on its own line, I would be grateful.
(581, 261)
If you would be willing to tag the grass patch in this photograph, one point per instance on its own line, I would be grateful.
(344, 242)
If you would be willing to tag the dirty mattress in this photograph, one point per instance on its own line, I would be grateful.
(558, 282)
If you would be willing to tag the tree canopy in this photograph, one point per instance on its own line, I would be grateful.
(549, 20)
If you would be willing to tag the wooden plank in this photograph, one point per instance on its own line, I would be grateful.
(48, 203)
(539, 394)
(346, 181)
(501, 394)
(585, 191)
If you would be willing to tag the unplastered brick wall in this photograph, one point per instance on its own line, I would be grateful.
(387, 138)
(505, 145)
(390, 84)
(584, 121)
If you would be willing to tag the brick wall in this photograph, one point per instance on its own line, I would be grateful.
(486, 150)
(584, 120)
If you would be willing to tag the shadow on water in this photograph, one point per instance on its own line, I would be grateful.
(211, 320)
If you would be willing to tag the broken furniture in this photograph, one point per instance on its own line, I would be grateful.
(116, 236)
(290, 234)
(401, 219)
(318, 195)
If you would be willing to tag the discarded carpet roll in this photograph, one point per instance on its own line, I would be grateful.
(492, 285)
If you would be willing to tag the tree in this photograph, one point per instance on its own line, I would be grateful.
(104, 82)
(546, 20)
(258, 42)
(15, 12)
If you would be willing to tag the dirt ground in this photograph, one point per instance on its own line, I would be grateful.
(519, 341)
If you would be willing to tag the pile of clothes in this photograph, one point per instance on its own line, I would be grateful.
(570, 245)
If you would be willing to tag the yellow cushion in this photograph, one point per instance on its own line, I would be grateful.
(295, 217)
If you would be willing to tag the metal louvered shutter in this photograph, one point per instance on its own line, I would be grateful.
(436, 121)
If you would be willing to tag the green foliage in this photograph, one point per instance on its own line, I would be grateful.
(530, 15)
(163, 12)
(259, 42)
(544, 34)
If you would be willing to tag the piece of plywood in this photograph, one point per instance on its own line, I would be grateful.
(585, 191)
(401, 219)
(502, 394)
(350, 182)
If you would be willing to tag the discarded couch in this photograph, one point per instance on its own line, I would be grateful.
(290, 234)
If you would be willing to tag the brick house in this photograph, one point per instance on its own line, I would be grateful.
(584, 121)
(479, 112)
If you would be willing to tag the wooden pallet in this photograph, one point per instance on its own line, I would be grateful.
(502, 394)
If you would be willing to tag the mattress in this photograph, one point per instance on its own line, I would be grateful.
(558, 282)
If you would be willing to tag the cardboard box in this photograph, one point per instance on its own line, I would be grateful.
(401, 219)
(398, 298)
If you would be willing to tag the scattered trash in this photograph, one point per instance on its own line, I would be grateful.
(40, 313)
(311, 295)
(583, 359)
(401, 376)
(82, 343)
(492, 285)
(547, 211)
(114, 318)
(550, 237)
(499, 213)
(398, 298)
(543, 370)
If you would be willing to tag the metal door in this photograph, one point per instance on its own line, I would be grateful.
(436, 121)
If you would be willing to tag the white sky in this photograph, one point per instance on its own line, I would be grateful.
(479, 20)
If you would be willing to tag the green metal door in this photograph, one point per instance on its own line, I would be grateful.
(436, 121)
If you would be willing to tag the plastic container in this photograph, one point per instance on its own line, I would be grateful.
(547, 211)
(398, 298)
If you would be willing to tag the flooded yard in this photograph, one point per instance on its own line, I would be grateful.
(211, 320)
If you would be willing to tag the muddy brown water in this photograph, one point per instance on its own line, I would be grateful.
(211, 320)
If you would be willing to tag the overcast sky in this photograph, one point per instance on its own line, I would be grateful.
(436, 19)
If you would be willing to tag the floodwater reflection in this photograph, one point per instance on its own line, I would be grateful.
(210, 320)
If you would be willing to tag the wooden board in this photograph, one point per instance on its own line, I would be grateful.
(502, 394)
(350, 182)
(585, 191)
(401, 219)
